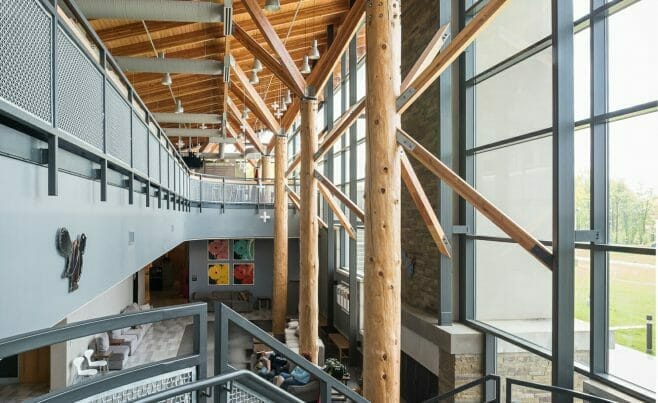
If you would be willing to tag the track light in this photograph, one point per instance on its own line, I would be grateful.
(179, 106)
(254, 77)
(257, 66)
(306, 68)
(166, 79)
(315, 52)
(288, 99)
(272, 5)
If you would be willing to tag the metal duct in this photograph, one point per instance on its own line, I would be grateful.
(168, 65)
(153, 10)
(188, 118)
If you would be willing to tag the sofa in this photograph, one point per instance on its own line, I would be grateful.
(116, 345)
(311, 391)
(239, 301)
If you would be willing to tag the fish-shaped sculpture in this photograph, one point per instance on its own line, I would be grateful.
(72, 252)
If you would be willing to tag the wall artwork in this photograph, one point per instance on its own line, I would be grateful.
(244, 249)
(72, 252)
(218, 249)
(218, 274)
(243, 273)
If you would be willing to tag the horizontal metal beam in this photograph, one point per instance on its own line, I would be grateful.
(170, 65)
(176, 132)
(153, 10)
(188, 118)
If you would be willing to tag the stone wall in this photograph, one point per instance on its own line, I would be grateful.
(421, 120)
(458, 369)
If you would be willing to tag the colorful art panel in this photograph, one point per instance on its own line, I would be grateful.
(243, 273)
(218, 274)
(244, 249)
(218, 249)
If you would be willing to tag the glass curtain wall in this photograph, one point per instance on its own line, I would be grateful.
(507, 92)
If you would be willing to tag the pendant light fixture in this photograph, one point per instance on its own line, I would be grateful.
(272, 5)
(179, 106)
(306, 68)
(275, 105)
(166, 80)
(315, 52)
(253, 79)
(257, 66)
(288, 99)
(203, 126)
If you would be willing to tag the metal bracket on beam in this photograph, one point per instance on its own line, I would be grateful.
(228, 17)
(310, 93)
(460, 229)
(404, 142)
(588, 236)
(402, 99)
(159, 192)
(229, 62)
(147, 191)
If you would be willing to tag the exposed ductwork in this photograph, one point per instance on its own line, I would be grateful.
(207, 118)
(168, 65)
(153, 10)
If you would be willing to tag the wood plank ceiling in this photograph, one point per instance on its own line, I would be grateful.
(297, 23)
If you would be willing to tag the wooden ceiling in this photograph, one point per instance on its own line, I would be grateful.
(296, 24)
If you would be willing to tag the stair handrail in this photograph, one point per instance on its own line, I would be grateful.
(225, 315)
(243, 376)
(469, 385)
(509, 382)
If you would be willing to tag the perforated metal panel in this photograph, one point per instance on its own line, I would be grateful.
(164, 163)
(239, 393)
(154, 158)
(118, 125)
(194, 189)
(26, 57)
(79, 93)
(140, 141)
(212, 191)
(171, 173)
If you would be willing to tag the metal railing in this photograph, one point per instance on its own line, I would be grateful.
(478, 382)
(555, 390)
(274, 393)
(118, 379)
(225, 316)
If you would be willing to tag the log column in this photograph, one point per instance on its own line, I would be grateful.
(308, 234)
(280, 284)
(381, 360)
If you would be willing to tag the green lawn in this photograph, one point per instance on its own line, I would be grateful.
(632, 295)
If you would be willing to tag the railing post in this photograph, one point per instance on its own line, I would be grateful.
(325, 392)
(649, 334)
(200, 193)
(221, 349)
(508, 390)
(200, 347)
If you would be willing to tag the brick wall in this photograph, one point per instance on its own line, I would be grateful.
(458, 369)
(420, 287)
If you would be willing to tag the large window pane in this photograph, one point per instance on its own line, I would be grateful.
(632, 293)
(516, 101)
(520, 24)
(633, 184)
(517, 179)
(582, 142)
(581, 306)
(581, 66)
(513, 291)
(632, 56)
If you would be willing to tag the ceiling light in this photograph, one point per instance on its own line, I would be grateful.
(203, 126)
(245, 113)
(272, 5)
(306, 68)
(275, 105)
(288, 99)
(166, 79)
(278, 113)
(257, 66)
(254, 78)
(315, 52)
(179, 106)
